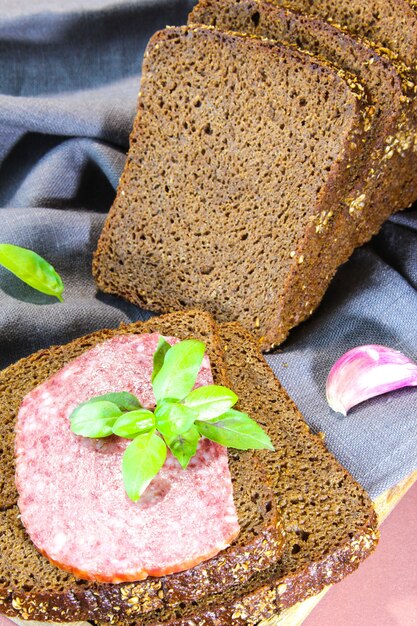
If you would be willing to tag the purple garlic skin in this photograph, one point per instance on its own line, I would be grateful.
(365, 372)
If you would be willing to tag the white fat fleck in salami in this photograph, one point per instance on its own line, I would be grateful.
(71, 494)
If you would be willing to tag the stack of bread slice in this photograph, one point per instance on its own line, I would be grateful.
(268, 144)
(388, 23)
(328, 520)
(386, 180)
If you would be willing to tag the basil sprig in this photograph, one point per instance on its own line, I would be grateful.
(32, 269)
(180, 418)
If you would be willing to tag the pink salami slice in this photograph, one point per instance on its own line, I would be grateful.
(71, 494)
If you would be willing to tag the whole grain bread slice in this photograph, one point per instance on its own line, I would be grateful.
(240, 153)
(386, 181)
(389, 23)
(392, 33)
(32, 588)
(329, 520)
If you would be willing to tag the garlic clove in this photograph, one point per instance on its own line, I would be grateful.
(365, 372)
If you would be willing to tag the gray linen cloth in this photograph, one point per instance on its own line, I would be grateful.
(69, 79)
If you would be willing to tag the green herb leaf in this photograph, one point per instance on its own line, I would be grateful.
(32, 269)
(159, 356)
(134, 423)
(94, 419)
(210, 401)
(235, 430)
(141, 462)
(178, 374)
(184, 446)
(124, 400)
(181, 416)
(173, 419)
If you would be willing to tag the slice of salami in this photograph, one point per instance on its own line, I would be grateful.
(71, 494)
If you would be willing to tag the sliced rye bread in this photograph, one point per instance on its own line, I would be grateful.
(32, 588)
(392, 33)
(387, 181)
(216, 208)
(329, 520)
(389, 23)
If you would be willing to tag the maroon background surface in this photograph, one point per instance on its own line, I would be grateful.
(383, 591)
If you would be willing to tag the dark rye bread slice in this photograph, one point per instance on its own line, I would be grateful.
(383, 32)
(387, 181)
(329, 520)
(32, 588)
(390, 23)
(241, 148)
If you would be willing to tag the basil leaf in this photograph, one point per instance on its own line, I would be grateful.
(142, 460)
(235, 430)
(184, 446)
(178, 374)
(32, 269)
(124, 400)
(173, 419)
(167, 402)
(159, 356)
(210, 401)
(94, 419)
(134, 423)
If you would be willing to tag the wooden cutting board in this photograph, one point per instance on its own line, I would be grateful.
(295, 616)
